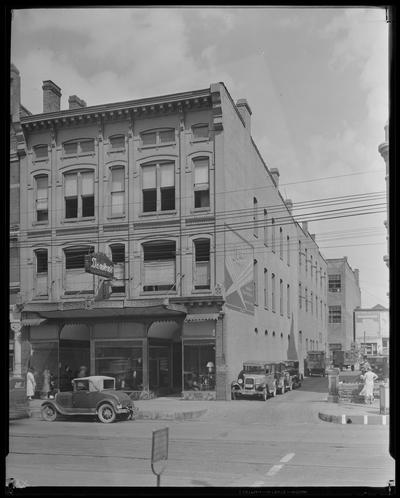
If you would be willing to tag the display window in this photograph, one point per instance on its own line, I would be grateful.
(122, 360)
(44, 360)
(199, 366)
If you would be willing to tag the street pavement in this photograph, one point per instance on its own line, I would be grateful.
(245, 443)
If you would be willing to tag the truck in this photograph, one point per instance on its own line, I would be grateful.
(315, 363)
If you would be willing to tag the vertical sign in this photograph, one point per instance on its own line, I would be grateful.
(159, 452)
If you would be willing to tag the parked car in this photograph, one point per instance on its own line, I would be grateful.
(94, 395)
(315, 363)
(255, 380)
(18, 400)
(283, 378)
(294, 371)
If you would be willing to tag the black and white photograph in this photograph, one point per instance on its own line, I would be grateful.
(198, 225)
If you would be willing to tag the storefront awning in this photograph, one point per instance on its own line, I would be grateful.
(200, 317)
(32, 322)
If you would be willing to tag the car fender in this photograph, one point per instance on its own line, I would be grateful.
(235, 386)
(56, 406)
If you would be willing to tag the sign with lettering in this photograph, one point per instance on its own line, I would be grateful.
(159, 452)
(99, 264)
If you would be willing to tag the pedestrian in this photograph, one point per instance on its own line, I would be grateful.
(82, 371)
(46, 383)
(368, 390)
(30, 383)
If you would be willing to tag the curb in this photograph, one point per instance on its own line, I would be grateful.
(152, 415)
(355, 419)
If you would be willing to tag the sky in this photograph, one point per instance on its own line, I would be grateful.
(316, 80)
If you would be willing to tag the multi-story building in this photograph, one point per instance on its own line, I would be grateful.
(312, 293)
(371, 330)
(344, 296)
(384, 152)
(205, 250)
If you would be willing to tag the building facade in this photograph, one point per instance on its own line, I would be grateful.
(205, 250)
(344, 296)
(371, 329)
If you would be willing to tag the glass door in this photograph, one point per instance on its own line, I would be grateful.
(159, 367)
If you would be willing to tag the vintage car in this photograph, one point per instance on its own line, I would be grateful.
(256, 379)
(18, 400)
(282, 376)
(293, 368)
(94, 395)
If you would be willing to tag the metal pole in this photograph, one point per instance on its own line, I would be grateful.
(158, 480)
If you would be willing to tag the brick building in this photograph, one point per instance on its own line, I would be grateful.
(344, 296)
(206, 252)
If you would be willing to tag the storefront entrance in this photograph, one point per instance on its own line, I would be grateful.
(74, 352)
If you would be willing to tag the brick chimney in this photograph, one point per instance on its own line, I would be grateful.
(275, 175)
(15, 93)
(75, 102)
(245, 111)
(289, 205)
(51, 96)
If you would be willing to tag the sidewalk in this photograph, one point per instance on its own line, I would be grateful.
(353, 413)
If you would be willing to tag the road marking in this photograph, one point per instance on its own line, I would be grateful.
(286, 458)
(257, 483)
(274, 469)
(343, 419)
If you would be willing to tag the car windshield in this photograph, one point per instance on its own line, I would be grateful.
(254, 369)
(108, 384)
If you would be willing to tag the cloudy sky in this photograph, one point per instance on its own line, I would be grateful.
(316, 80)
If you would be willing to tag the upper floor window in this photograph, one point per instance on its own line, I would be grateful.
(202, 269)
(158, 184)
(273, 234)
(299, 252)
(117, 142)
(306, 298)
(255, 280)
(273, 279)
(201, 182)
(255, 217)
(76, 280)
(311, 302)
(311, 265)
(306, 259)
(118, 258)
(200, 131)
(117, 191)
(334, 283)
(281, 296)
(265, 227)
(265, 288)
(41, 152)
(335, 314)
(300, 296)
(41, 272)
(79, 194)
(158, 137)
(288, 299)
(83, 146)
(288, 249)
(159, 266)
(42, 209)
(280, 242)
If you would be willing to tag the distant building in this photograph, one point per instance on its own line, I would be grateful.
(371, 326)
(209, 264)
(344, 296)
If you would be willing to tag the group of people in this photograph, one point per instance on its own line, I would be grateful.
(48, 381)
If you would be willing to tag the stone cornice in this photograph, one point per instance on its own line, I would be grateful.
(121, 110)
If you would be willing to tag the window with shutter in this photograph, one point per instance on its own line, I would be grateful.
(202, 264)
(201, 182)
(76, 280)
(117, 191)
(42, 198)
(159, 266)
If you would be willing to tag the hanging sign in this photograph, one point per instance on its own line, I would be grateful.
(99, 264)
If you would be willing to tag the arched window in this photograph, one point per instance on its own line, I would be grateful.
(79, 194)
(158, 186)
(255, 280)
(201, 187)
(117, 190)
(158, 137)
(41, 287)
(159, 266)
(41, 201)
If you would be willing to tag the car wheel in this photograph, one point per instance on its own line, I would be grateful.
(106, 413)
(265, 394)
(49, 413)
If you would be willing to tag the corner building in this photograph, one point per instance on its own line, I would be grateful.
(175, 192)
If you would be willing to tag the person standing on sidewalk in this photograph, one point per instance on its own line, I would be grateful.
(368, 390)
(30, 383)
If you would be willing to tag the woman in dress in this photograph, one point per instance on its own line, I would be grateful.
(368, 390)
(30, 383)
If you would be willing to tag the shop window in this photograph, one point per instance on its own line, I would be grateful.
(200, 131)
(201, 182)
(334, 283)
(117, 142)
(76, 280)
(117, 191)
(158, 137)
(122, 360)
(159, 266)
(45, 357)
(79, 194)
(158, 186)
(41, 152)
(42, 192)
(202, 269)
(335, 314)
(199, 366)
(41, 272)
(118, 258)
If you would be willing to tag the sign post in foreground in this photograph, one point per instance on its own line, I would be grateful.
(159, 452)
